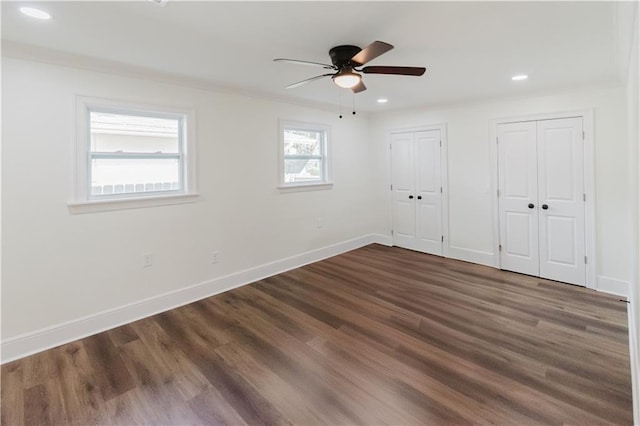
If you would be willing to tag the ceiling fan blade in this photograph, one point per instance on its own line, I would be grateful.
(300, 83)
(313, 64)
(370, 52)
(360, 87)
(417, 71)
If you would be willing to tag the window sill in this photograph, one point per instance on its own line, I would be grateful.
(305, 187)
(96, 206)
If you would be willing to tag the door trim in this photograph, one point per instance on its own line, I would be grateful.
(444, 173)
(587, 116)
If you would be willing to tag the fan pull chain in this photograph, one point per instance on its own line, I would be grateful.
(340, 91)
(354, 104)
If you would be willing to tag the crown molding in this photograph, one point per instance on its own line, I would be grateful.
(474, 102)
(28, 52)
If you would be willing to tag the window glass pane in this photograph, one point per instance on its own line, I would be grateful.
(303, 142)
(302, 170)
(124, 176)
(133, 133)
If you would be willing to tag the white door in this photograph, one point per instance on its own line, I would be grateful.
(541, 190)
(561, 197)
(518, 192)
(403, 178)
(417, 191)
(428, 191)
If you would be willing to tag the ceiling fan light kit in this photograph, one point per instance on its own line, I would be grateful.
(346, 61)
(346, 78)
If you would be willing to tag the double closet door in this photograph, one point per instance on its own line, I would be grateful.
(541, 199)
(417, 191)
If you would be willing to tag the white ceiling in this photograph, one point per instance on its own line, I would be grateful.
(470, 49)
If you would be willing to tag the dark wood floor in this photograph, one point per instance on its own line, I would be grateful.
(375, 336)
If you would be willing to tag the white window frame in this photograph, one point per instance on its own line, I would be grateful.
(84, 202)
(325, 157)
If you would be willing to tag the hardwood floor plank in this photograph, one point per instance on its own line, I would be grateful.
(121, 335)
(240, 394)
(290, 315)
(11, 396)
(155, 381)
(43, 405)
(111, 373)
(415, 405)
(294, 406)
(489, 388)
(135, 407)
(521, 341)
(385, 361)
(186, 378)
(378, 335)
(38, 369)
(298, 302)
(293, 367)
(211, 408)
(78, 385)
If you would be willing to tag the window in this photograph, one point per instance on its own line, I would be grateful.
(130, 153)
(303, 150)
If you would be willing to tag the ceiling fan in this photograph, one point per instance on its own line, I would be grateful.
(346, 62)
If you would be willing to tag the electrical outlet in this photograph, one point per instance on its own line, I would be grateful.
(215, 256)
(147, 260)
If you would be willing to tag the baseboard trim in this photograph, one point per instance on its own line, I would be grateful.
(30, 343)
(385, 240)
(33, 342)
(468, 255)
(613, 286)
(634, 357)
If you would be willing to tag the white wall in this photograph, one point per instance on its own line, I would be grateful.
(60, 267)
(633, 114)
(469, 170)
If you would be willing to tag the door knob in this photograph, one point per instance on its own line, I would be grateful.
(411, 197)
(531, 205)
(545, 207)
(419, 197)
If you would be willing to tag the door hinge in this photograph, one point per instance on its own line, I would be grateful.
(499, 247)
(441, 190)
(389, 147)
(583, 135)
(498, 192)
(391, 187)
(440, 143)
(496, 139)
(585, 260)
(392, 232)
(584, 197)
(442, 239)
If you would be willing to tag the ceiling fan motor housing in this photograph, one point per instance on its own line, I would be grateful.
(341, 55)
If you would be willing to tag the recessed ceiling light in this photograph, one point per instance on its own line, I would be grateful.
(519, 77)
(383, 101)
(35, 13)
(161, 3)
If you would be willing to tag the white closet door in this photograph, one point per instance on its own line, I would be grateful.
(561, 191)
(428, 192)
(417, 200)
(403, 178)
(517, 183)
